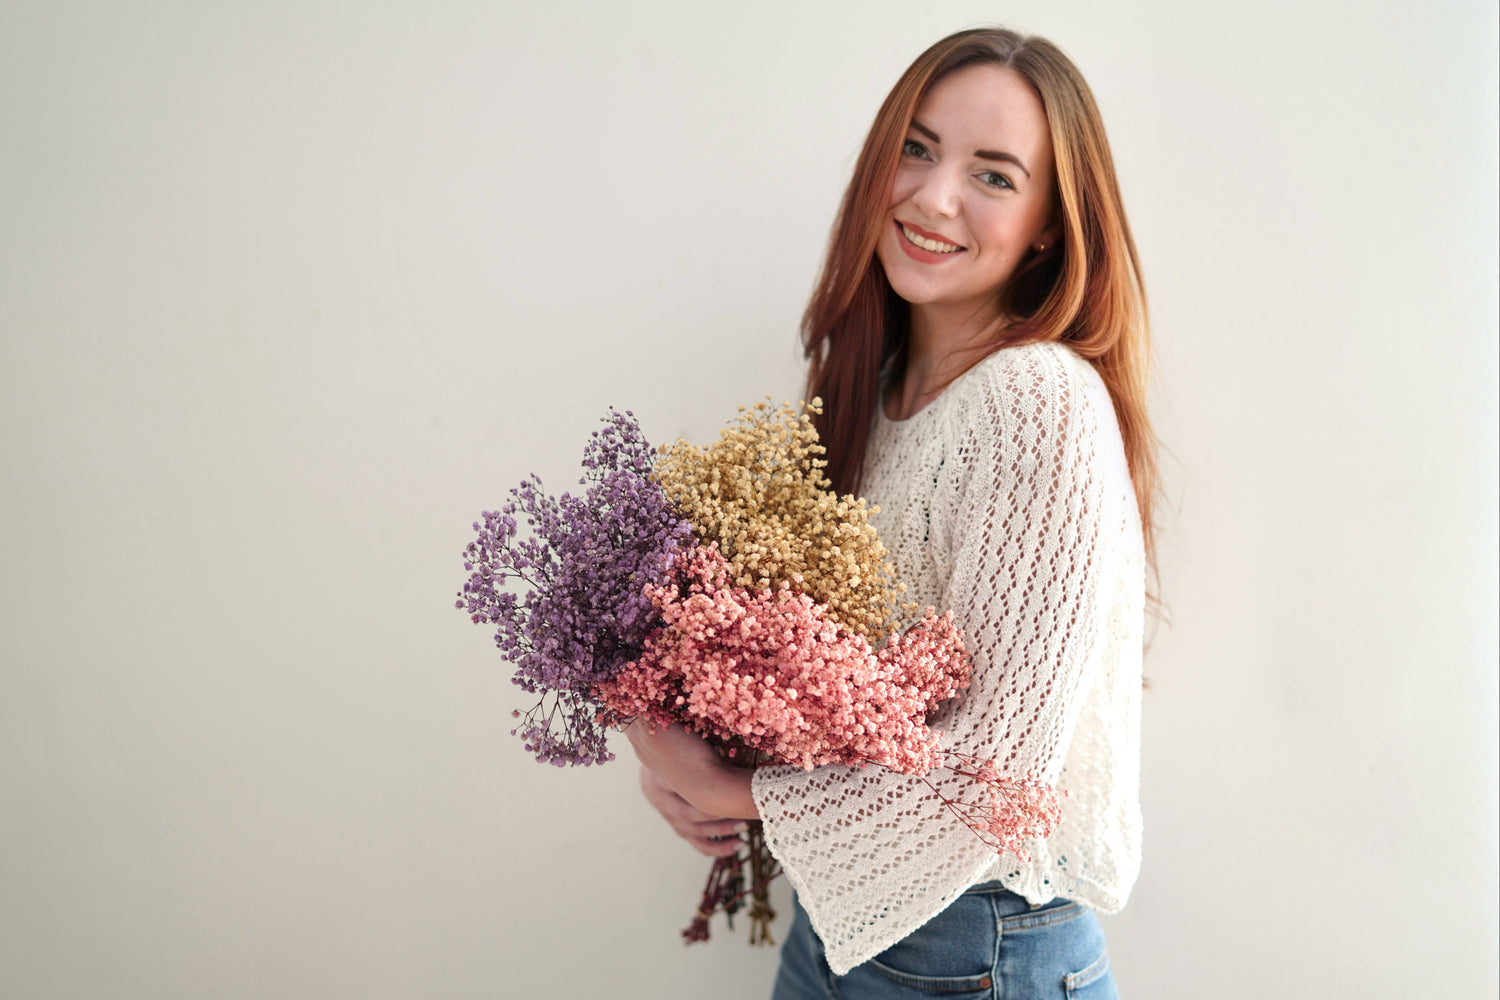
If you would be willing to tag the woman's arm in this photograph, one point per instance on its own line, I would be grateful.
(1018, 501)
(681, 769)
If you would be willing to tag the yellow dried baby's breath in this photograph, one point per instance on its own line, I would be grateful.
(759, 492)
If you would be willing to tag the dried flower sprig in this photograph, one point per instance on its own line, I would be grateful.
(1004, 812)
(759, 492)
(587, 564)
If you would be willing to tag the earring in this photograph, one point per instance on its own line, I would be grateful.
(1040, 247)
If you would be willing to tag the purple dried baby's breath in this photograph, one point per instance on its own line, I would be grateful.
(585, 564)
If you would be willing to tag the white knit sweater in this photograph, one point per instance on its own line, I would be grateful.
(1008, 500)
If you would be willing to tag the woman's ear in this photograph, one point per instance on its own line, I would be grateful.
(1048, 238)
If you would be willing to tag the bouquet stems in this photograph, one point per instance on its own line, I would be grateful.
(752, 864)
(726, 889)
(763, 868)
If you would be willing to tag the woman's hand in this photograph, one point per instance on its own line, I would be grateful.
(712, 835)
(690, 769)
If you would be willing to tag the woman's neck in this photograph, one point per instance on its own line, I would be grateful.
(939, 348)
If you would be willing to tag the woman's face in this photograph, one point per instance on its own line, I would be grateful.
(973, 193)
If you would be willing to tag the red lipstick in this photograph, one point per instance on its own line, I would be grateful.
(922, 254)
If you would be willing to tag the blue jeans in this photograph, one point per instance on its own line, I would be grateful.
(990, 944)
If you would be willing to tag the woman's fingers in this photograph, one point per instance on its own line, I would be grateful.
(717, 839)
(715, 848)
(708, 834)
(692, 822)
(719, 828)
(667, 802)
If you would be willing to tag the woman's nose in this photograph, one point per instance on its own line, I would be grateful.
(939, 194)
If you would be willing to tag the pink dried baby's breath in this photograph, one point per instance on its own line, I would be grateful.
(770, 670)
(1005, 812)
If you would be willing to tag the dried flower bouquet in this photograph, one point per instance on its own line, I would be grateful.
(729, 589)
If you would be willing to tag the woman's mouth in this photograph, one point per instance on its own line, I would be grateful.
(924, 247)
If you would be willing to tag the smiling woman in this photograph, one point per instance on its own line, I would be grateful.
(979, 338)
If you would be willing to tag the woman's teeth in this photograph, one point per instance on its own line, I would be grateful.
(934, 245)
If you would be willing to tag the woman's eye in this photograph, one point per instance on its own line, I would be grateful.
(912, 147)
(993, 179)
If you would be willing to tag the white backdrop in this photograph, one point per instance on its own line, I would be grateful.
(290, 291)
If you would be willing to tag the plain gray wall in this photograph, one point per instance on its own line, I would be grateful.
(289, 292)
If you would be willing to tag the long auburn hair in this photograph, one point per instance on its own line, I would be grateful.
(1085, 290)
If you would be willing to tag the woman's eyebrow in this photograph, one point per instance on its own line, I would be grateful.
(990, 154)
(929, 133)
(983, 154)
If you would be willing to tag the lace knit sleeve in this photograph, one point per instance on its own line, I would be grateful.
(1011, 534)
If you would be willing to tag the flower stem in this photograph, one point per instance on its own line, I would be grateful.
(726, 890)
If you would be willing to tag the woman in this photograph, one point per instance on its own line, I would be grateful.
(979, 339)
